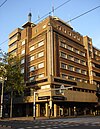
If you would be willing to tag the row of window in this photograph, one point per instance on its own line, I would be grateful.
(39, 44)
(64, 45)
(94, 82)
(32, 68)
(83, 90)
(71, 34)
(38, 66)
(97, 52)
(64, 55)
(72, 68)
(38, 55)
(36, 76)
(73, 78)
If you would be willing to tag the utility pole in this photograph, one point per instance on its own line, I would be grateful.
(1, 101)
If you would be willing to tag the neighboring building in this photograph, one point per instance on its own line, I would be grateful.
(53, 54)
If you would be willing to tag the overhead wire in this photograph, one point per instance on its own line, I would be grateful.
(4, 41)
(56, 9)
(83, 14)
(40, 17)
(3, 3)
(52, 10)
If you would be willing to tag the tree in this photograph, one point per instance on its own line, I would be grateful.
(11, 70)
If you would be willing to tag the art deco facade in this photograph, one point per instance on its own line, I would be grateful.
(53, 54)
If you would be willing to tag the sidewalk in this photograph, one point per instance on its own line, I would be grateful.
(44, 118)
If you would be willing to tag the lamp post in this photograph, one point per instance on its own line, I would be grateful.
(1, 101)
(2, 85)
(61, 90)
(34, 108)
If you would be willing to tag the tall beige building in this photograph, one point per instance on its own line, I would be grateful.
(53, 55)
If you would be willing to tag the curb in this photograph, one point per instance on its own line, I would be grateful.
(8, 126)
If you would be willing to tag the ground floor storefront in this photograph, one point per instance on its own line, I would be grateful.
(58, 109)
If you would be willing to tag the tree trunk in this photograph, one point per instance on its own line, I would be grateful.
(11, 103)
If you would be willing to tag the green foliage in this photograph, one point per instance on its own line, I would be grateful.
(11, 71)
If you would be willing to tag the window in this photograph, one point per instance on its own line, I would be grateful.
(23, 42)
(41, 43)
(70, 57)
(76, 51)
(22, 70)
(82, 62)
(74, 36)
(31, 79)
(82, 53)
(83, 72)
(41, 65)
(71, 68)
(78, 38)
(63, 45)
(63, 55)
(70, 77)
(77, 60)
(22, 61)
(95, 52)
(77, 70)
(69, 33)
(64, 76)
(40, 54)
(44, 26)
(84, 80)
(63, 66)
(78, 79)
(70, 48)
(31, 58)
(40, 75)
(32, 48)
(23, 52)
(32, 68)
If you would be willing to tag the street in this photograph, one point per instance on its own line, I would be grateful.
(70, 123)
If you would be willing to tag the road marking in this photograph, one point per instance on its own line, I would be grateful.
(36, 127)
(55, 127)
(20, 128)
(28, 127)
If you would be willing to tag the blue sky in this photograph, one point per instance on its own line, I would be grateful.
(13, 14)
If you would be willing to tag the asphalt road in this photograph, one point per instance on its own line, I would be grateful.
(70, 123)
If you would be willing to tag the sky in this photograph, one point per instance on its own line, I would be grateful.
(14, 13)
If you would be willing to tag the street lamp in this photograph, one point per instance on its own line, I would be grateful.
(61, 90)
(1, 101)
(2, 86)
